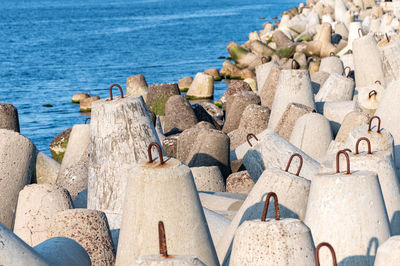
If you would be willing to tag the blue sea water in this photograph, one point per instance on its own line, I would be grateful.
(51, 49)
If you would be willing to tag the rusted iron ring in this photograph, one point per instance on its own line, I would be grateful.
(248, 138)
(159, 152)
(162, 240)
(368, 143)
(120, 89)
(347, 160)
(290, 161)
(264, 214)
(379, 123)
(325, 244)
(87, 120)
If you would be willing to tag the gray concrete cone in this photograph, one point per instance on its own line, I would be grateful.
(305, 131)
(389, 113)
(208, 178)
(62, 251)
(46, 169)
(262, 72)
(120, 131)
(368, 65)
(390, 60)
(292, 190)
(221, 201)
(272, 241)
(293, 86)
(217, 224)
(90, 229)
(164, 258)
(9, 117)
(137, 85)
(267, 92)
(331, 64)
(388, 253)
(274, 152)
(17, 166)
(14, 251)
(336, 88)
(347, 210)
(163, 190)
(73, 174)
(37, 204)
(369, 98)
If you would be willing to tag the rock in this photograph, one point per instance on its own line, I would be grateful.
(158, 95)
(289, 118)
(36, 206)
(90, 229)
(9, 117)
(179, 115)
(58, 145)
(239, 104)
(213, 110)
(208, 178)
(170, 145)
(214, 73)
(137, 85)
(86, 104)
(78, 97)
(184, 83)
(17, 166)
(267, 93)
(46, 169)
(202, 87)
(239, 182)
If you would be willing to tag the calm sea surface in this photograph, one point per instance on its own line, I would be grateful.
(50, 50)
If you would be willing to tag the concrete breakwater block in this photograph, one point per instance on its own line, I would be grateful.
(239, 182)
(9, 117)
(217, 224)
(17, 166)
(179, 115)
(46, 169)
(202, 87)
(388, 253)
(163, 190)
(336, 88)
(37, 204)
(158, 95)
(268, 90)
(208, 178)
(90, 229)
(221, 201)
(120, 132)
(137, 85)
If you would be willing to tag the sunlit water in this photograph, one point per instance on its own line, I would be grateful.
(50, 50)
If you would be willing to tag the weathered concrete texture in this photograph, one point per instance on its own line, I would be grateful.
(288, 119)
(318, 79)
(217, 224)
(336, 88)
(208, 178)
(14, 251)
(346, 209)
(267, 92)
(158, 95)
(202, 87)
(120, 133)
(254, 120)
(221, 201)
(203, 115)
(273, 242)
(85, 105)
(73, 174)
(36, 206)
(239, 182)
(235, 86)
(262, 73)
(58, 145)
(184, 83)
(351, 121)
(170, 145)
(305, 131)
(292, 192)
(77, 97)
(211, 148)
(389, 112)
(239, 104)
(293, 86)
(367, 61)
(388, 253)
(17, 166)
(163, 193)
(62, 251)
(390, 60)
(213, 72)
(90, 229)
(172, 260)
(46, 169)
(9, 117)
(275, 151)
(213, 110)
(179, 115)
(137, 85)
(331, 64)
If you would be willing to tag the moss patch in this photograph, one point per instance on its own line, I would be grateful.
(218, 104)
(238, 52)
(184, 89)
(218, 78)
(286, 53)
(305, 38)
(198, 98)
(59, 144)
(158, 105)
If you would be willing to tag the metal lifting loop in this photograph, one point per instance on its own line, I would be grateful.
(368, 143)
(370, 123)
(264, 214)
(378, 82)
(162, 240)
(293, 64)
(290, 161)
(347, 160)
(264, 60)
(325, 244)
(360, 33)
(159, 152)
(87, 120)
(372, 93)
(387, 37)
(344, 71)
(120, 89)
(248, 138)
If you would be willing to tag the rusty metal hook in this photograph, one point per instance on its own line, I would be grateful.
(162, 239)
(264, 214)
(290, 161)
(325, 244)
(387, 37)
(378, 82)
(332, 54)
(347, 159)
(248, 138)
(87, 120)
(159, 152)
(360, 33)
(120, 89)
(347, 150)
(344, 71)
(372, 93)
(368, 143)
(379, 123)
(294, 64)
(264, 60)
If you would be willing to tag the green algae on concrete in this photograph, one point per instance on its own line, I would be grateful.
(59, 144)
